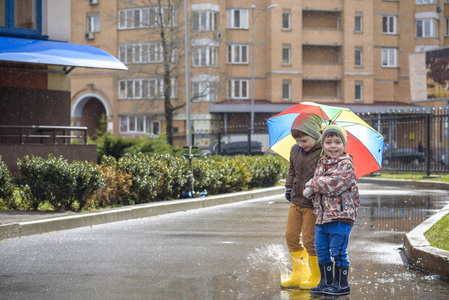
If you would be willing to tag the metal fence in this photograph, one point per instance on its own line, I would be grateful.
(413, 142)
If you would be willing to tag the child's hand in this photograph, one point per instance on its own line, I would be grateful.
(288, 194)
(307, 192)
(308, 183)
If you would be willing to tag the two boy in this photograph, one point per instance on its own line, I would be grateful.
(334, 194)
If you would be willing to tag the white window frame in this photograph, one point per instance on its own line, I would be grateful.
(238, 88)
(286, 90)
(358, 25)
(143, 88)
(205, 91)
(358, 57)
(139, 124)
(238, 54)
(141, 53)
(143, 17)
(424, 2)
(428, 28)
(286, 19)
(446, 25)
(389, 57)
(205, 21)
(93, 23)
(205, 56)
(389, 24)
(358, 91)
(286, 55)
(241, 14)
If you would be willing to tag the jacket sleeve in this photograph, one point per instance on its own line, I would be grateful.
(291, 172)
(336, 182)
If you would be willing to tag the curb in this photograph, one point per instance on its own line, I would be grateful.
(26, 228)
(417, 249)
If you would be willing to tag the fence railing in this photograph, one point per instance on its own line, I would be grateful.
(413, 143)
(38, 134)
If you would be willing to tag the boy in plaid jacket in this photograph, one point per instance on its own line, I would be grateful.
(335, 205)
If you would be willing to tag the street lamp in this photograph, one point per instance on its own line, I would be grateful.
(186, 47)
(253, 18)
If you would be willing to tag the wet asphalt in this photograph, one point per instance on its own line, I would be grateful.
(233, 251)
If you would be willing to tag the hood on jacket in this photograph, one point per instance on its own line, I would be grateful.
(309, 123)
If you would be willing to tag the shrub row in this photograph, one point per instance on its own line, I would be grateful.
(57, 181)
(133, 178)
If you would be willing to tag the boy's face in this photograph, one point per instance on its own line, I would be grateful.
(306, 142)
(333, 146)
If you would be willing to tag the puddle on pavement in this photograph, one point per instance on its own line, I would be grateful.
(379, 268)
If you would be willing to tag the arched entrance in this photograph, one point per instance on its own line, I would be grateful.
(88, 110)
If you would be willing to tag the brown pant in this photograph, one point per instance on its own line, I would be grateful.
(300, 220)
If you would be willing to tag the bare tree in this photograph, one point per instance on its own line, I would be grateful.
(163, 22)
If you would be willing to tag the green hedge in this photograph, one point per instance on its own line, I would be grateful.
(138, 178)
(57, 181)
(6, 186)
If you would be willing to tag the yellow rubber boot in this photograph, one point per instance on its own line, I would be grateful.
(315, 277)
(300, 269)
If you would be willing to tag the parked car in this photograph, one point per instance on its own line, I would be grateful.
(235, 148)
(403, 155)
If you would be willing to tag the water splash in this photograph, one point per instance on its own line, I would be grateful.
(272, 257)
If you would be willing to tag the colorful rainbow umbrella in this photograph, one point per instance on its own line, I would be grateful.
(364, 143)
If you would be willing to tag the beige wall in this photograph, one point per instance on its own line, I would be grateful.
(322, 41)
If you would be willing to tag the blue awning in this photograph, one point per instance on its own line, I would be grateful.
(45, 52)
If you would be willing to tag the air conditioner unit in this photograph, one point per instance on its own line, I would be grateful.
(89, 36)
(217, 35)
(93, 2)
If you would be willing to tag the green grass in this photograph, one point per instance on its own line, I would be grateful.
(438, 234)
(443, 177)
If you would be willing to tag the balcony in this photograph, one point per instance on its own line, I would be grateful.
(322, 71)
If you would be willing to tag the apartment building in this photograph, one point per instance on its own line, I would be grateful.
(351, 53)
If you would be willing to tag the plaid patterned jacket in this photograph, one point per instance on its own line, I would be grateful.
(336, 195)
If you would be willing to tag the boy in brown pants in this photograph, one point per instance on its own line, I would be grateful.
(304, 157)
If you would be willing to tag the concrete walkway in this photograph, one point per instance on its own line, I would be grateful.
(417, 248)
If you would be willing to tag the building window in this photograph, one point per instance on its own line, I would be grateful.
(205, 91)
(424, 2)
(426, 28)
(21, 17)
(389, 25)
(93, 23)
(286, 54)
(141, 53)
(358, 23)
(237, 54)
(389, 57)
(446, 26)
(145, 17)
(205, 21)
(358, 91)
(205, 56)
(238, 89)
(238, 18)
(139, 124)
(144, 88)
(286, 90)
(358, 57)
(286, 15)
